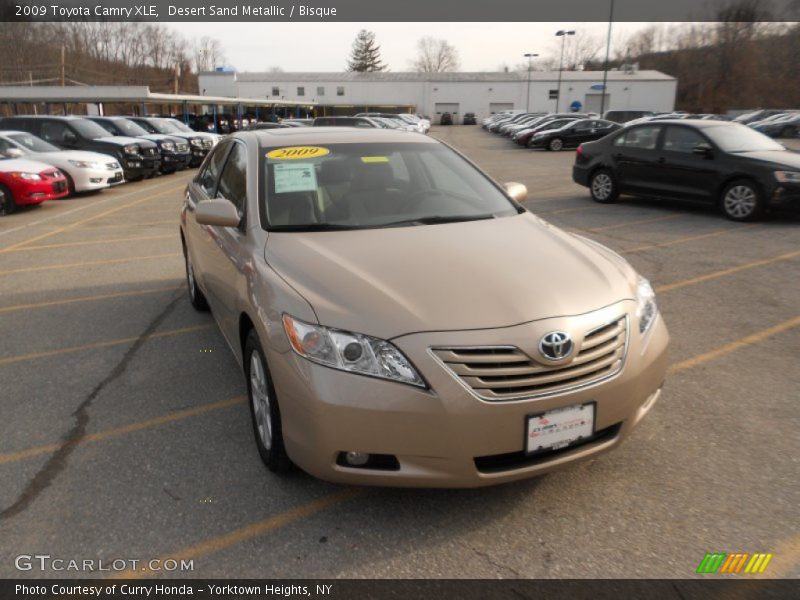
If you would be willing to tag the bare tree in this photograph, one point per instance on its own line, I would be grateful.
(435, 56)
(207, 54)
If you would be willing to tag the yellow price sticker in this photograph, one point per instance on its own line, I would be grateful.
(375, 159)
(296, 152)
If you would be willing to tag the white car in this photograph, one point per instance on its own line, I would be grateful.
(85, 171)
(419, 125)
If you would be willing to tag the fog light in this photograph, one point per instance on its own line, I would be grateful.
(96, 180)
(356, 459)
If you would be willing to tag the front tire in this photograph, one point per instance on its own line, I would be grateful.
(556, 145)
(264, 411)
(7, 204)
(742, 201)
(196, 296)
(603, 187)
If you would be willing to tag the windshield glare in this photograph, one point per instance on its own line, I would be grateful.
(89, 129)
(33, 143)
(740, 138)
(130, 128)
(180, 126)
(362, 186)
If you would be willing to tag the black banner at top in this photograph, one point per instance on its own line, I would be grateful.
(400, 10)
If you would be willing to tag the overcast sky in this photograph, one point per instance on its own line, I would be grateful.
(326, 46)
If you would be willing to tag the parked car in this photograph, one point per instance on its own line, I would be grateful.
(181, 127)
(174, 151)
(469, 118)
(572, 134)
(369, 353)
(418, 125)
(725, 164)
(84, 171)
(786, 126)
(27, 182)
(199, 143)
(402, 123)
(446, 119)
(758, 115)
(297, 122)
(265, 125)
(524, 137)
(138, 158)
(623, 116)
(363, 122)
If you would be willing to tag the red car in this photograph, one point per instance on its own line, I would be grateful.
(29, 182)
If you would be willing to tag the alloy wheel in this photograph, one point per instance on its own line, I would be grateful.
(602, 186)
(740, 201)
(556, 145)
(259, 396)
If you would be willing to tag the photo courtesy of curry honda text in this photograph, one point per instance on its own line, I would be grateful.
(401, 320)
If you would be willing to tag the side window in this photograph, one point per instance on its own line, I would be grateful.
(233, 182)
(682, 139)
(53, 132)
(5, 145)
(642, 138)
(207, 179)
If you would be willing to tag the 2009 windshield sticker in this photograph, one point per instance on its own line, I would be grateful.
(296, 152)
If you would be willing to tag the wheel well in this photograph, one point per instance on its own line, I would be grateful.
(245, 325)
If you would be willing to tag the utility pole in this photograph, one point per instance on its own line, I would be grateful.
(176, 74)
(30, 79)
(529, 56)
(63, 65)
(605, 64)
(563, 35)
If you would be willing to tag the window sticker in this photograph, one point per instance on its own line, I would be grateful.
(374, 159)
(294, 177)
(295, 152)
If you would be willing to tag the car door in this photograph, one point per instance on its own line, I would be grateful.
(635, 158)
(683, 172)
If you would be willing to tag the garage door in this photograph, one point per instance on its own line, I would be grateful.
(443, 107)
(498, 107)
(593, 102)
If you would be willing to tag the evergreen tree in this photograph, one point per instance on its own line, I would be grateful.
(366, 54)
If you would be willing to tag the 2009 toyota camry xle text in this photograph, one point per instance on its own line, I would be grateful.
(401, 320)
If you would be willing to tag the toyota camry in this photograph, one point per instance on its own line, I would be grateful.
(401, 319)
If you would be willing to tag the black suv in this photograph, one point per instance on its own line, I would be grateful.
(200, 144)
(139, 158)
(469, 118)
(175, 154)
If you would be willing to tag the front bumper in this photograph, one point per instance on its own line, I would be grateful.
(175, 161)
(87, 180)
(36, 192)
(136, 166)
(447, 436)
(785, 194)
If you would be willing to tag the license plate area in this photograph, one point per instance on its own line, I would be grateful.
(559, 428)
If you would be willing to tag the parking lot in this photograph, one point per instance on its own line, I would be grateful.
(125, 433)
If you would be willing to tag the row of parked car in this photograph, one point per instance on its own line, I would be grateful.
(551, 131)
(369, 120)
(50, 157)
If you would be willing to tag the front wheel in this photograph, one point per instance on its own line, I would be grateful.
(603, 187)
(742, 201)
(7, 204)
(196, 296)
(556, 144)
(264, 411)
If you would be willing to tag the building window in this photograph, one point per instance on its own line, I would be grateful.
(340, 90)
(320, 91)
(301, 91)
(276, 91)
(553, 94)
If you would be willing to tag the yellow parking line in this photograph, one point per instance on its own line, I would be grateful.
(259, 528)
(92, 218)
(9, 360)
(178, 415)
(744, 342)
(86, 299)
(134, 224)
(723, 272)
(682, 240)
(93, 242)
(631, 223)
(89, 263)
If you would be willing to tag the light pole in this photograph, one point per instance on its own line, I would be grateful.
(605, 63)
(529, 56)
(563, 35)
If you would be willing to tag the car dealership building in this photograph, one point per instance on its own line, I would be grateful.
(457, 93)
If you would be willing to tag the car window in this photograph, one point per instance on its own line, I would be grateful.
(54, 131)
(682, 139)
(233, 181)
(643, 138)
(107, 126)
(5, 145)
(207, 179)
(33, 143)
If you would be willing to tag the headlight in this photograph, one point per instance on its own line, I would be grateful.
(132, 149)
(85, 164)
(28, 176)
(646, 308)
(196, 142)
(352, 352)
(788, 176)
(168, 146)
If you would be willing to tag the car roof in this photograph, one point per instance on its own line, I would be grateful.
(59, 117)
(13, 131)
(699, 123)
(336, 135)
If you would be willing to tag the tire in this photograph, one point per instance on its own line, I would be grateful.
(196, 296)
(603, 187)
(741, 200)
(556, 145)
(7, 204)
(264, 411)
(70, 184)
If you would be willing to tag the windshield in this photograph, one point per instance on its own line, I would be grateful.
(88, 129)
(33, 143)
(181, 126)
(364, 186)
(740, 138)
(130, 128)
(162, 126)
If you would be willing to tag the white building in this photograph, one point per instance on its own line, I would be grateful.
(457, 93)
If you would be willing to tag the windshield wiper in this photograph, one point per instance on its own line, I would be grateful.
(437, 219)
(314, 227)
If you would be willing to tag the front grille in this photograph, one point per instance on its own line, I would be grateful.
(150, 151)
(498, 373)
(208, 144)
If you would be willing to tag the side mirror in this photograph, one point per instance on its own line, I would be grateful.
(704, 150)
(13, 153)
(517, 191)
(217, 212)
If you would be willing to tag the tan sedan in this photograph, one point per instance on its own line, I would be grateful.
(402, 320)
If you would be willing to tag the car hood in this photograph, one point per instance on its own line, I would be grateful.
(472, 275)
(64, 156)
(24, 165)
(122, 140)
(784, 158)
(161, 137)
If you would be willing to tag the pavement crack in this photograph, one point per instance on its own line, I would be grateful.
(485, 556)
(58, 460)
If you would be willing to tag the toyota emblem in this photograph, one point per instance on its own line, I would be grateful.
(556, 345)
